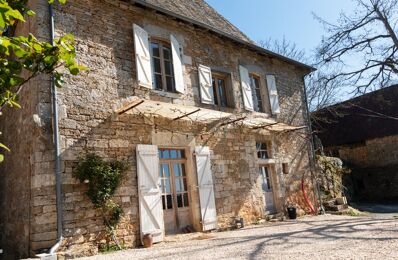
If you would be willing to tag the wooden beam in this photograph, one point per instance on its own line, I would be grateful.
(129, 107)
(233, 121)
(264, 126)
(188, 114)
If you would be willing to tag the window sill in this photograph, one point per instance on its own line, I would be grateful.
(262, 114)
(267, 161)
(166, 94)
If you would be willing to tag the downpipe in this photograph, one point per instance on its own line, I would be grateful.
(57, 154)
(312, 162)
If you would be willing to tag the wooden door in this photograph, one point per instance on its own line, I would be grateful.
(175, 196)
(267, 189)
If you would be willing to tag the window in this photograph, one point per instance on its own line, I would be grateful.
(162, 66)
(262, 151)
(220, 90)
(256, 93)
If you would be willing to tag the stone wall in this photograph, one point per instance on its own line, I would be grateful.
(104, 36)
(374, 166)
(378, 152)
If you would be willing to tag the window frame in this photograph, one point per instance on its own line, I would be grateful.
(268, 150)
(228, 98)
(259, 108)
(162, 44)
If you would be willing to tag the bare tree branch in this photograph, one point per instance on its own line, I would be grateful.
(370, 34)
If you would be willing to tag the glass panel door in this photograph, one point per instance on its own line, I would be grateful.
(175, 194)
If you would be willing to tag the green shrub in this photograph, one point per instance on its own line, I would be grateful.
(102, 179)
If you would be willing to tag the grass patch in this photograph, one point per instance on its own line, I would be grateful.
(107, 249)
(355, 213)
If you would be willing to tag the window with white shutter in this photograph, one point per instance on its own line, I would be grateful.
(206, 85)
(149, 192)
(273, 94)
(177, 64)
(143, 58)
(246, 88)
(206, 189)
(162, 66)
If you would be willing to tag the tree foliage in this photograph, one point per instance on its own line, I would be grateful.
(370, 33)
(25, 57)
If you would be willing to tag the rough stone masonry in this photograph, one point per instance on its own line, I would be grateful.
(104, 35)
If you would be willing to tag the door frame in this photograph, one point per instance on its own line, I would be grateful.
(189, 172)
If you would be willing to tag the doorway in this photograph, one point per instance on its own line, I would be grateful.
(267, 187)
(175, 196)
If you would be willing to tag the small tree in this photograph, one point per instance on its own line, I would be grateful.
(102, 179)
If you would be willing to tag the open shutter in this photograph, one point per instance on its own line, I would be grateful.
(142, 57)
(206, 85)
(177, 64)
(206, 189)
(150, 204)
(246, 88)
(273, 94)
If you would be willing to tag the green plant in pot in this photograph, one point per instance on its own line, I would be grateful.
(102, 178)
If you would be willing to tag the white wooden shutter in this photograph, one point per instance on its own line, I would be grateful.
(206, 85)
(206, 189)
(246, 88)
(150, 203)
(273, 94)
(142, 57)
(177, 64)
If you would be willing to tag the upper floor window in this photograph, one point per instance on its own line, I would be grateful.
(256, 93)
(162, 65)
(263, 150)
(220, 90)
(215, 87)
(253, 92)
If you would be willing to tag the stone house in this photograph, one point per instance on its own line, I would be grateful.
(363, 132)
(212, 126)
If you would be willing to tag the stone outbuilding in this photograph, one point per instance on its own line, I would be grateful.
(213, 127)
(363, 132)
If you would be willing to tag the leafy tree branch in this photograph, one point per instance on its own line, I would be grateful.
(22, 58)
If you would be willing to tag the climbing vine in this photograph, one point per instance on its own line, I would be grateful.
(102, 179)
(332, 172)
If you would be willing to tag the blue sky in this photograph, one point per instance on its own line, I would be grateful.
(262, 19)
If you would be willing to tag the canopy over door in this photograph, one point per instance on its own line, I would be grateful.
(206, 189)
(150, 204)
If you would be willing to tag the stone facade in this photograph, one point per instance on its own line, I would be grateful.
(104, 36)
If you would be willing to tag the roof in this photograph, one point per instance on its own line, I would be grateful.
(199, 13)
(369, 116)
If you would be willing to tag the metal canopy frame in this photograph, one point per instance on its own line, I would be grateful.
(202, 115)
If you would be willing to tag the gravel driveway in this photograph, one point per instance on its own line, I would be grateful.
(321, 237)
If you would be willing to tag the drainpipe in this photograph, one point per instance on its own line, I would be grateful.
(312, 152)
(57, 154)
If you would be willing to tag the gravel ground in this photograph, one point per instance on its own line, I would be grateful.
(321, 237)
